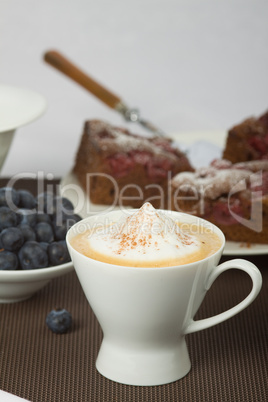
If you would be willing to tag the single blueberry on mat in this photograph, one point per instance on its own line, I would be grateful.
(59, 320)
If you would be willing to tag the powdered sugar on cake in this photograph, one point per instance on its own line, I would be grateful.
(210, 180)
(253, 166)
(218, 178)
(145, 235)
(109, 137)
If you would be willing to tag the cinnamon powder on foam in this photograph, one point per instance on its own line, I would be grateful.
(130, 241)
(147, 238)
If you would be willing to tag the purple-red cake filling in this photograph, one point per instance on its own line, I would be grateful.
(122, 164)
(260, 145)
(225, 213)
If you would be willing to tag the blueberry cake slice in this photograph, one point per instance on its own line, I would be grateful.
(248, 140)
(232, 196)
(116, 167)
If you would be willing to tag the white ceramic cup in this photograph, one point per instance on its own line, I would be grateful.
(145, 313)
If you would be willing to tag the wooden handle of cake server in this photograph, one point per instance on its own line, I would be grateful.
(58, 61)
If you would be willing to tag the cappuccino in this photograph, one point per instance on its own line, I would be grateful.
(147, 238)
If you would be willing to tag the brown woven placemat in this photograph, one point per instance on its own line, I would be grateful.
(229, 361)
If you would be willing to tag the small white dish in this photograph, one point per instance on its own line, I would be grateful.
(20, 285)
(18, 106)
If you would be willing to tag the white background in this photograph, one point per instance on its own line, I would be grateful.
(187, 65)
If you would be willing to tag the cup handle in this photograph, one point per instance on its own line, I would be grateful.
(256, 277)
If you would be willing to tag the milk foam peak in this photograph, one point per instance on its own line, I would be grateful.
(146, 235)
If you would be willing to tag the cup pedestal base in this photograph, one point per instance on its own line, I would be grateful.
(139, 366)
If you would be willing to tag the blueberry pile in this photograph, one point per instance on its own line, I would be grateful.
(33, 229)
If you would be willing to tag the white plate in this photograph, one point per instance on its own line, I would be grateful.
(201, 148)
(19, 106)
(190, 137)
(233, 248)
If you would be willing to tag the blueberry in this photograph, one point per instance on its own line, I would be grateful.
(26, 216)
(8, 218)
(64, 244)
(61, 228)
(27, 200)
(27, 232)
(11, 239)
(32, 256)
(66, 204)
(74, 219)
(44, 232)
(45, 202)
(44, 245)
(62, 204)
(8, 261)
(58, 253)
(9, 197)
(41, 217)
(69, 219)
(60, 231)
(59, 321)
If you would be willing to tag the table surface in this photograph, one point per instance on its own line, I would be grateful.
(229, 361)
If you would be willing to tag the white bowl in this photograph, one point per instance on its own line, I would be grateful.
(19, 285)
(18, 106)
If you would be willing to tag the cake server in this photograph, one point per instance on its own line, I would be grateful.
(61, 63)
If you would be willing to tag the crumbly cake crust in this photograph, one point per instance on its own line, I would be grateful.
(108, 139)
(211, 181)
(111, 160)
(248, 140)
(227, 195)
